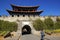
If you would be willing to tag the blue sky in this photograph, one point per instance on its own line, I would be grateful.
(50, 7)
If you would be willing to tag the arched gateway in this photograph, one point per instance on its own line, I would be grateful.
(26, 29)
(25, 16)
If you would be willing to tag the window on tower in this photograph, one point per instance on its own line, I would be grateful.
(28, 15)
(23, 15)
(33, 15)
(17, 15)
(12, 15)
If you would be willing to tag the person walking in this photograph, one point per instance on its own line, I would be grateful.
(42, 34)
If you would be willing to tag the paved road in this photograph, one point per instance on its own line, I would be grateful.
(34, 37)
(30, 37)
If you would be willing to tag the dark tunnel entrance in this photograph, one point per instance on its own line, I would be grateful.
(26, 30)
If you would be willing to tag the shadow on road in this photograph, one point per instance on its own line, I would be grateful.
(25, 33)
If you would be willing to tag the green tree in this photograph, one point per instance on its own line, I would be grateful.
(38, 24)
(57, 23)
(49, 23)
(58, 19)
(8, 26)
(1, 24)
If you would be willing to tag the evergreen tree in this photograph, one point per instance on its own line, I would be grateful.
(57, 23)
(49, 23)
(38, 24)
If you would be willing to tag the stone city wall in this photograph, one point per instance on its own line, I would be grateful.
(15, 18)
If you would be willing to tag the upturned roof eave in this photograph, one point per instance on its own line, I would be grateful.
(26, 11)
(24, 6)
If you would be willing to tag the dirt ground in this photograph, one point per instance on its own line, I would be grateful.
(55, 34)
(1, 38)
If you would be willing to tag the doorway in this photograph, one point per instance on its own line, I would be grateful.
(26, 30)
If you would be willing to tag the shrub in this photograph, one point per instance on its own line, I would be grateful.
(57, 23)
(8, 26)
(49, 23)
(38, 24)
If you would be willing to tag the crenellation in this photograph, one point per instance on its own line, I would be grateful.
(27, 18)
